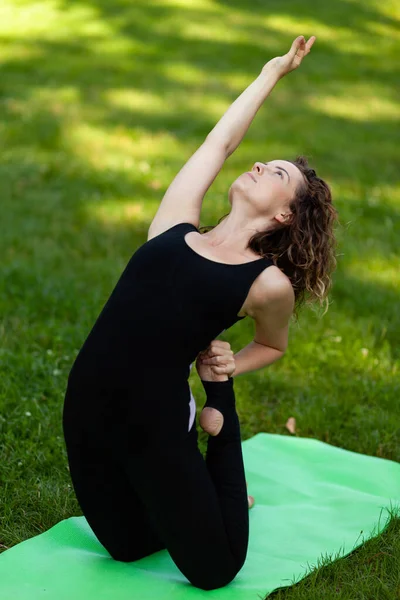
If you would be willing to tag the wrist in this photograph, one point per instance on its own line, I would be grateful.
(217, 383)
(272, 74)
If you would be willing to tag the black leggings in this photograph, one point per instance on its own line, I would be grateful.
(168, 497)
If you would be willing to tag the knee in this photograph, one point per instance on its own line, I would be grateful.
(212, 581)
(132, 554)
(123, 557)
(126, 554)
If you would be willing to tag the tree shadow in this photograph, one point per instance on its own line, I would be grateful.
(341, 14)
(46, 181)
(93, 78)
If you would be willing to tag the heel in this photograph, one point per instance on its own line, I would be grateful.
(211, 420)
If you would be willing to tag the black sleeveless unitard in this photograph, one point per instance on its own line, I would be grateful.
(128, 414)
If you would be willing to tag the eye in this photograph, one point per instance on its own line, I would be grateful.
(280, 173)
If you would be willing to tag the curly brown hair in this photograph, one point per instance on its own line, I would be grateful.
(304, 247)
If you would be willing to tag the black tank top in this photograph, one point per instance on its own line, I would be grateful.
(167, 306)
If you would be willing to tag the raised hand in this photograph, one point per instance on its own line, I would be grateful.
(282, 65)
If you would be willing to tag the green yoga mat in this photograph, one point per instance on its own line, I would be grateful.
(311, 499)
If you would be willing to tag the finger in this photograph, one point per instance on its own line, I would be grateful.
(222, 354)
(219, 344)
(218, 358)
(294, 47)
(224, 367)
(210, 353)
(227, 353)
(212, 360)
(220, 370)
(213, 349)
(310, 42)
(220, 362)
(300, 48)
(309, 45)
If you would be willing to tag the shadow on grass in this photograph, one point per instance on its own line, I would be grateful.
(47, 186)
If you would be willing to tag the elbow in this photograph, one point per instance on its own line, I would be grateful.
(281, 351)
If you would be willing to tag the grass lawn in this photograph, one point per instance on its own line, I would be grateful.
(101, 104)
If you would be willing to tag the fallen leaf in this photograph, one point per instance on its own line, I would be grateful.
(155, 184)
(291, 424)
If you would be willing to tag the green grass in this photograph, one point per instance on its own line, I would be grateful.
(101, 103)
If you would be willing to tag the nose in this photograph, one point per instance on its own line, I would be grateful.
(258, 167)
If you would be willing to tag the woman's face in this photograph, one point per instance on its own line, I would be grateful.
(270, 188)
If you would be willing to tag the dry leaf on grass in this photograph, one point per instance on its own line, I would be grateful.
(155, 185)
(291, 424)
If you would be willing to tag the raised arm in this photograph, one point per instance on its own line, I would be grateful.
(235, 122)
(183, 199)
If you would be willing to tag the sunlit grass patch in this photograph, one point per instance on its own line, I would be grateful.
(102, 103)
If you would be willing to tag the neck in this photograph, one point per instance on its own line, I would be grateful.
(233, 234)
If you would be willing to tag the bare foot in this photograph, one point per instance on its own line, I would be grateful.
(211, 420)
(250, 499)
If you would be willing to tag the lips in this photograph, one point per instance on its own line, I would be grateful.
(252, 176)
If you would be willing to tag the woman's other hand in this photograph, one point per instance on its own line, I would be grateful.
(281, 65)
(217, 362)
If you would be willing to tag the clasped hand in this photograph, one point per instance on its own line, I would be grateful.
(216, 363)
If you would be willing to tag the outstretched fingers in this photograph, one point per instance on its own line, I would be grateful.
(310, 43)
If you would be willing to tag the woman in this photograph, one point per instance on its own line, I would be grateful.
(139, 476)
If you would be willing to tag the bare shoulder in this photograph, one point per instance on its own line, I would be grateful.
(161, 226)
(272, 289)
